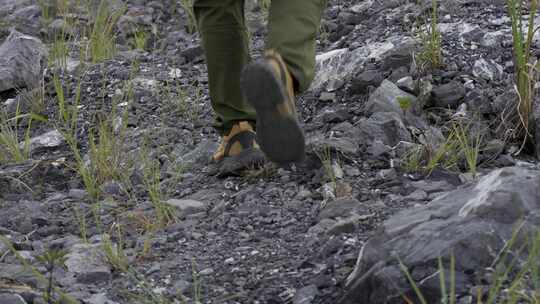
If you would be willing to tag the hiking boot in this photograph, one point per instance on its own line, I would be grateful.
(238, 150)
(268, 87)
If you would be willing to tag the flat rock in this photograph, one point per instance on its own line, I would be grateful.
(48, 140)
(88, 263)
(384, 126)
(187, 206)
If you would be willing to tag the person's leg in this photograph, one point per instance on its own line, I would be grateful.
(293, 27)
(225, 42)
(287, 68)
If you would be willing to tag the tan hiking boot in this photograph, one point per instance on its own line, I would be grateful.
(240, 138)
(238, 151)
(268, 87)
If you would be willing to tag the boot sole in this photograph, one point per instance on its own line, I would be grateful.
(280, 137)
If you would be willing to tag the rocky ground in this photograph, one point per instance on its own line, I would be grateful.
(376, 180)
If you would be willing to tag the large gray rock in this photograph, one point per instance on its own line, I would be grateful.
(384, 126)
(88, 263)
(22, 59)
(389, 98)
(473, 224)
(8, 298)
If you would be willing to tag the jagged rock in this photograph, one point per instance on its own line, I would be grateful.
(341, 64)
(22, 58)
(387, 98)
(406, 84)
(448, 95)
(488, 70)
(87, 262)
(27, 20)
(384, 126)
(473, 224)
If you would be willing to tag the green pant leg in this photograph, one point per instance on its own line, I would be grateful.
(293, 27)
(226, 46)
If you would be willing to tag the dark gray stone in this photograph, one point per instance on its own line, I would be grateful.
(473, 224)
(448, 95)
(366, 79)
(399, 56)
(22, 58)
(194, 53)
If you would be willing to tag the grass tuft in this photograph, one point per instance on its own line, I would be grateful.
(430, 37)
(102, 42)
(525, 68)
